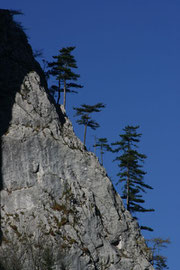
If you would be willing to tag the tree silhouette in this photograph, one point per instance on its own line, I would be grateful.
(62, 70)
(156, 244)
(84, 111)
(131, 174)
(102, 143)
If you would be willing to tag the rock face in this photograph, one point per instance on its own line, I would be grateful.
(59, 210)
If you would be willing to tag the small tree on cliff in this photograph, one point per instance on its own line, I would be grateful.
(131, 174)
(103, 145)
(56, 72)
(62, 70)
(84, 111)
(156, 244)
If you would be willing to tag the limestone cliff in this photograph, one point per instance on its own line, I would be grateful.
(59, 210)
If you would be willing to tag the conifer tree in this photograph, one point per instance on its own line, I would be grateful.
(84, 111)
(102, 143)
(62, 70)
(56, 71)
(159, 261)
(131, 174)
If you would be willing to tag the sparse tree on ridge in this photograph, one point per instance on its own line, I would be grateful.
(159, 261)
(62, 70)
(131, 174)
(102, 143)
(84, 111)
(56, 71)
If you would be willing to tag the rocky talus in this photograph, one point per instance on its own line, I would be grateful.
(59, 209)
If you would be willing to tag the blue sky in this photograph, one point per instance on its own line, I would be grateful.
(128, 54)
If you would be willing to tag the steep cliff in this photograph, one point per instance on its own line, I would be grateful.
(59, 210)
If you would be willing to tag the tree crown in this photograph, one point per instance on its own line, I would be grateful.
(130, 163)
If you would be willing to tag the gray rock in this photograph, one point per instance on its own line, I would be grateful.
(58, 207)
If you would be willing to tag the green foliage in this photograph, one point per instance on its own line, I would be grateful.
(87, 109)
(84, 111)
(146, 228)
(86, 120)
(62, 69)
(131, 174)
(156, 244)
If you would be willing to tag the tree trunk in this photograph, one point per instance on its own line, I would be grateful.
(101, 155)
(85, 131)
(95, 145)
(64, 94)
(127, 199)
(59, 91)
(128, 183)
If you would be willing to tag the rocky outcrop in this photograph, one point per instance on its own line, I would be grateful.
(59, 209)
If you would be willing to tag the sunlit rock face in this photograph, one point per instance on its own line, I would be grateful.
(59, 209)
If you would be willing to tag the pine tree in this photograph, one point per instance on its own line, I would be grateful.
(56, 71)
(102, 143)
(156, 244)
(62, 70)
(84, 111)
(131, 173)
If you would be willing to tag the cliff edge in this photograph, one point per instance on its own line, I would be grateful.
(59, 209)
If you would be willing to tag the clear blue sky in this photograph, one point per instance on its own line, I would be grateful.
(128, 54)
